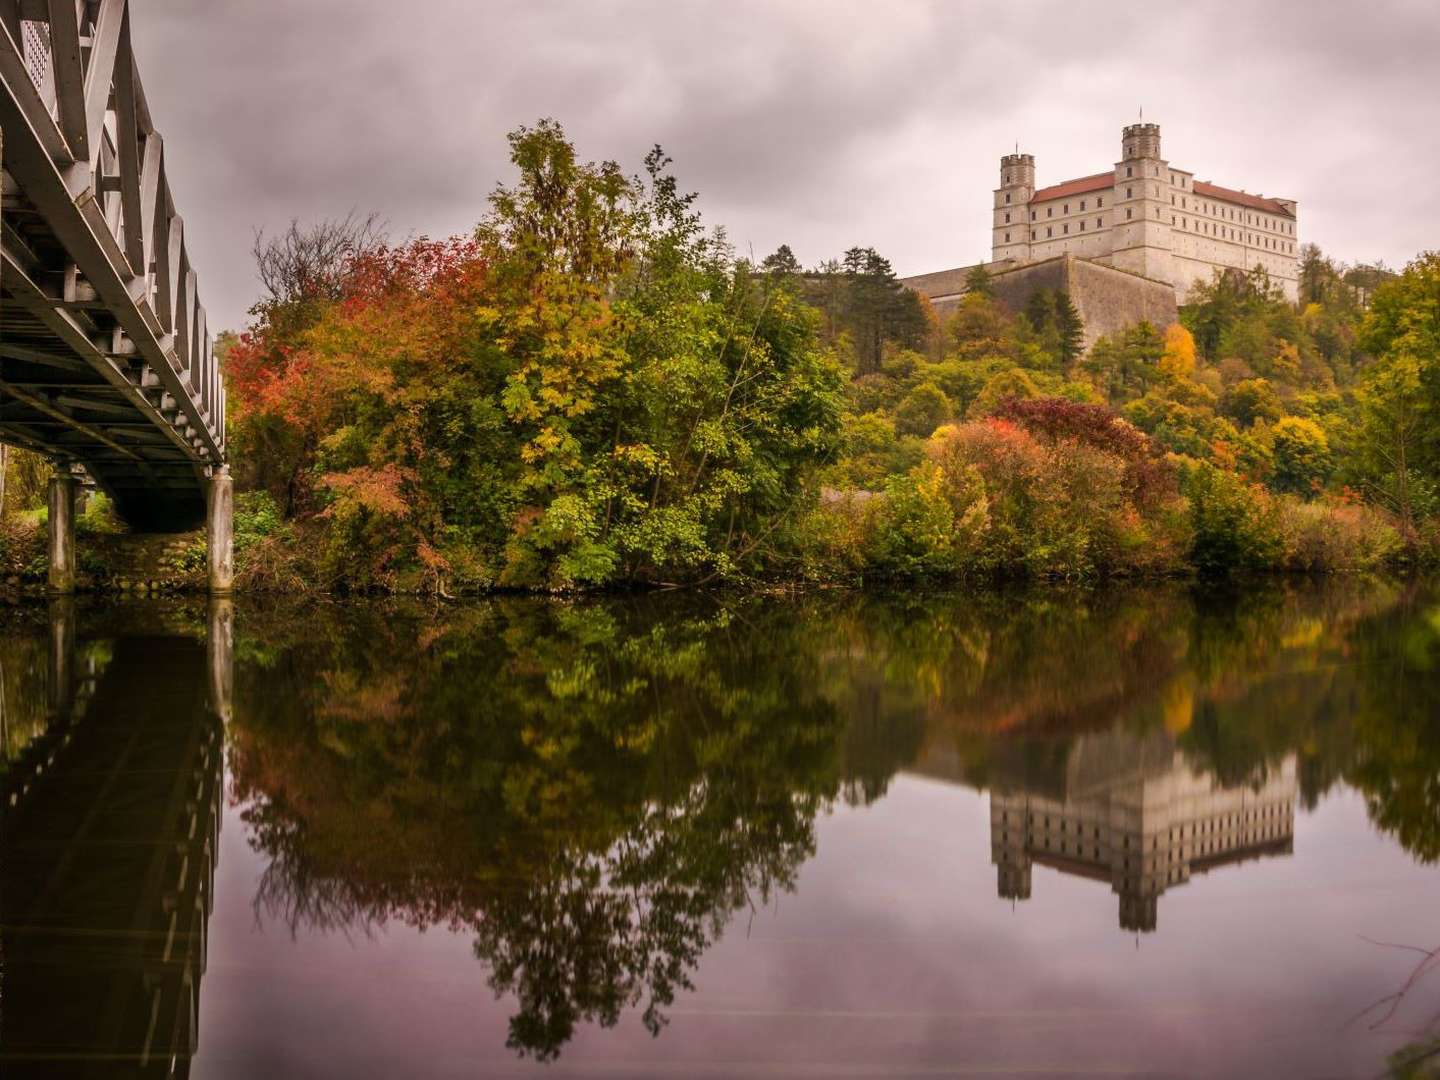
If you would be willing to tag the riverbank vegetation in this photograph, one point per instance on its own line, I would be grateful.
(593, 390)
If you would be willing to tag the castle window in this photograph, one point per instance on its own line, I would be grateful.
(1129, 193)
(1099, 223)
(1129, 213)
(1007, 218)
(1049, 211)
(1049, 232)
(1032, 215)
(1007, 238)
(1099, 202)
(1082, 226)
(1129, 171)
(1007, 196)
(1066, 229)
(1065, 209)
(1172, 200)
(1082, 206)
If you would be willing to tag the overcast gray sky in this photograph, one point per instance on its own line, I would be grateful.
(821, 125)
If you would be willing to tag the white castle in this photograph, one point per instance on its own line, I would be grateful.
(1147, 217)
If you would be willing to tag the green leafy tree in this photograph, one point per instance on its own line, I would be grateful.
(1401, 397)
(592, 389)
(1250, 400)
(1301, 455)
(1233, 523)
(782, 262)
(879, 309)
(923, 410)
(980, 282)
(1121, 368)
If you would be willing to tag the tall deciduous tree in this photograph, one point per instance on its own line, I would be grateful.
(1400, 395)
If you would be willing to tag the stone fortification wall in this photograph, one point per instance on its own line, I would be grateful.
(1109, 300)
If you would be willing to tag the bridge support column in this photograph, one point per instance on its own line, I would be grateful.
(220, 531)
(63, 485)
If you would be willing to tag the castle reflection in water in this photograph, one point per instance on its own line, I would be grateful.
(1129, 810)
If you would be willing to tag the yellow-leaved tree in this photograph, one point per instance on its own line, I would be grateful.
(1178, 359)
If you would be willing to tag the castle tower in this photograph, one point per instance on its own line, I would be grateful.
(1139, 913)
(1141, 237)
(1140, 141)
(1013, 877)
(1011, 233)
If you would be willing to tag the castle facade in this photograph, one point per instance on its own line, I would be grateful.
(1147, 217)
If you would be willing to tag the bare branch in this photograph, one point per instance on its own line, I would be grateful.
(312, 262)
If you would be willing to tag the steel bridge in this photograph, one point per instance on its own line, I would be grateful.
(105, 357)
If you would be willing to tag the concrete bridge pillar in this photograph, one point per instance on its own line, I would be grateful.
(220, 531)
(63, 485)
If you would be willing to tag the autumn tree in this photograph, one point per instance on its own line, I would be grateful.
(1250, 400)
(1301, 454)
(589, 389)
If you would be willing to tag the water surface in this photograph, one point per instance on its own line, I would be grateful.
(1149, 832)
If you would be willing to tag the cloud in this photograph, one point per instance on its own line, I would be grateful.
(820, 125)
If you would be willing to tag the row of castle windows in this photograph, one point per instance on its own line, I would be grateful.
(1227, 213)
(1214, 824)
(1231, 214)
(1269, 242)
(1065, 209)
(1249, 219)
(1065, 229)
(1200, 226)
(1270, 832)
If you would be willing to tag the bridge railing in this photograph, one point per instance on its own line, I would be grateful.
(80, 142)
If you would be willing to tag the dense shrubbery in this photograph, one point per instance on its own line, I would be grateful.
(589, 391)
(592, 390)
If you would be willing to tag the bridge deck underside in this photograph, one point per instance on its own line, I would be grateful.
(56, 403)
(106, 359)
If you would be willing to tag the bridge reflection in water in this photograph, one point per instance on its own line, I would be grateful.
(108, 838)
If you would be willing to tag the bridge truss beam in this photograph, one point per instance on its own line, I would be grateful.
(96, 282)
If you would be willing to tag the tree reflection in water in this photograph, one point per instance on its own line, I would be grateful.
(594, 791)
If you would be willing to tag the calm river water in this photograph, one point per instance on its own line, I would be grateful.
(1144, 832)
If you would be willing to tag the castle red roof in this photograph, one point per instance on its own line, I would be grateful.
(1102, 181)
(1255, 202)
(1098, 182)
